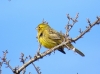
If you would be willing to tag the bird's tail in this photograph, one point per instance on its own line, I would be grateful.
(78, 51)
(74, 49)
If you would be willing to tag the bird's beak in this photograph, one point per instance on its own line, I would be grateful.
(36, 28)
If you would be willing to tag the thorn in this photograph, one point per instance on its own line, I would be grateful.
(50, 52)
(98, 17)
(22, 55)
(98, 20)
(88, 20)
(75, 20)
(67, 27)
(70, 25)
(35, 56)
(30, 57)
(77, 15)
(80, 31)
(87, 27)
(43, 20)
(38, 53)
(6, 51)
(73, 40)
(89, 24)
(68, 16)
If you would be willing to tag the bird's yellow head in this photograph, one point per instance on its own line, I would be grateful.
(42, 27)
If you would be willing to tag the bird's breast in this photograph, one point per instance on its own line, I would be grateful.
(46, 42)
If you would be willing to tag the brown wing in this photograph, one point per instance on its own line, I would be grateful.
(54, 34)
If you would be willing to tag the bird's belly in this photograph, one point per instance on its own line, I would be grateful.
(47, 43)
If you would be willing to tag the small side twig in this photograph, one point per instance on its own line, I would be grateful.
(69, 26)
(40, 56)
(0, 67)
(36, 68)
(38, 52)
(22, 59)
(88, 28)
(4, 60)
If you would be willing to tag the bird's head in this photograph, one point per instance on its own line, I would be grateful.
(42, 27)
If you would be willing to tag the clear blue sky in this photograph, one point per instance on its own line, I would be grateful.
(19, 18)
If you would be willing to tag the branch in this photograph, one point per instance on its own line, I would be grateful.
(22, 59)
(4, 60)
(88, 28)
(1, 66)
(70, 26)
(37, 57)
(47, 52)
(36, 68)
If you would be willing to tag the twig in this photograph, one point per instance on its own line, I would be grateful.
(55, 48)
(23, 61)
(40, 56)
(69, 26)
(4, 60)
(36, 57)
(38, 52)
(87, 28)
(44, 21)
(36, 68)
(8, 65)
(0, 67)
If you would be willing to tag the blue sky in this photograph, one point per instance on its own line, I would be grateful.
(19, 18)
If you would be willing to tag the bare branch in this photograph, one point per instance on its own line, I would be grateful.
(88, 28)
(8, 65)
(0, 67)
(36, 68)
(69, 26)
(40, 56)
(23, 61)
(55, 48)
(44, 22)
(15, 70)
(4, 60)
(38, 52)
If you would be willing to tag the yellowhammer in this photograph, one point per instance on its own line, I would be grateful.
(50, 38)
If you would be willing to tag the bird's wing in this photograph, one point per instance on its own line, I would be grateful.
(54, 34)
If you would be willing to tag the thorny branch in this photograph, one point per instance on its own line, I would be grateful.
(36, 68)
(0, 67)
(4, 61)
(37, 57)
(41, 55)
(88, 28)
(22, 59)
(38, 52)
(69, 26)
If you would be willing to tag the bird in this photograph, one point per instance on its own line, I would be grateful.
(49, 38)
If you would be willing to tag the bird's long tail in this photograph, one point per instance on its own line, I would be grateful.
(78, 51)
(75, 50)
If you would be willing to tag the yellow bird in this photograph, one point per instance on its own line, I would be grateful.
(50, 38)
